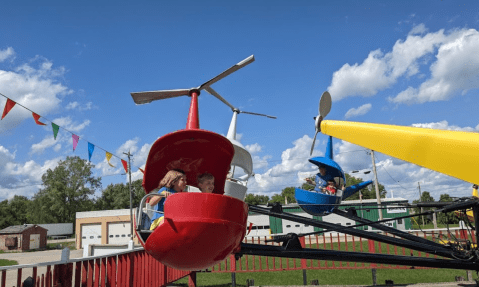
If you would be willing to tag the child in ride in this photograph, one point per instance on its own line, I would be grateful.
(206, 182)
(173, 182)
(331, 187)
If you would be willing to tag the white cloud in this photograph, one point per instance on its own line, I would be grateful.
(354, 112)
(7, 53)
(253, 148)
(72, 105)
(21, 178)
(294, 167)
(34, 87)
(76, 105)
(444, 125)
(455, 71)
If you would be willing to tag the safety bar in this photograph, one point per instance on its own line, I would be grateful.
(140, 209)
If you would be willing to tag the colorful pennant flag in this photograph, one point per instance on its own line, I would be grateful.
(250, 227)
(91, 147)
(36, 117)
(8, 106)
(108, 157)
(125, 165)
(142, 170)
(75, 141)
(55, 130)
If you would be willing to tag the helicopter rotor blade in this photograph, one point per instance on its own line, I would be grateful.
(141, 98)
(214, 93)
(229, 71)
(325, 104)
(271, 117)
(314, 141)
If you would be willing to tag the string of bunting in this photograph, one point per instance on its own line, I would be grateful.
(36, 117)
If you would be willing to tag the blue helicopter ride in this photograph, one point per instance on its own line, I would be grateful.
(316, 201)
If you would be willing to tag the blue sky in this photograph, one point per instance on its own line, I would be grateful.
(391, 62)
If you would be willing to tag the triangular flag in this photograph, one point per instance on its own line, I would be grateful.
(55, 130)
(75, 141)
(91, 147)
(36, 117)
(250, 227)
(8, 106)
(125, 165)
(142, 170)
(108, 157)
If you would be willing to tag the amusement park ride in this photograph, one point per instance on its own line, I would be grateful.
(202, 229)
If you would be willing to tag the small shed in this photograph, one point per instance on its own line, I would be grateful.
(23, 237)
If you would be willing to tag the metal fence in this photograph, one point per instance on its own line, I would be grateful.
(129, 268)
(334, 241)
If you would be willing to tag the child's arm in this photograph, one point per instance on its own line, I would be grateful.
(155, 199)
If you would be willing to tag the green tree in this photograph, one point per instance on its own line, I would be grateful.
(68, 189)
(287, 193)
(450, 217)
(425, 197)
(368, 192)
(117, 196)
(256, 199)
(14, 211)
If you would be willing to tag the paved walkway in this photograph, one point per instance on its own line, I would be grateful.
(32, 258)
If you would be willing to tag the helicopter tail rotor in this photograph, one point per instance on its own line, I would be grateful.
(324, 109)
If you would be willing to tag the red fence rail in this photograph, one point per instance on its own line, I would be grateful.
(131, 268)
(338, 241)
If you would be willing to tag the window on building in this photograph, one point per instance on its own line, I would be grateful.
(83, 237)
(297, 225)
(288, 226)
(348, 223)
(400, 221)
(123, 235)
(260, 227)
(117, 235)
(111, 236)
(266, 227)
(99, 236)
(91, 237)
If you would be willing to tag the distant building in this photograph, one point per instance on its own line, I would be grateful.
(57, 230)
(103, 227)
(264, 225)
(23, 237)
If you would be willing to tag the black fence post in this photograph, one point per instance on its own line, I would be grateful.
(233, 279)
(305, 279)
(374, 276)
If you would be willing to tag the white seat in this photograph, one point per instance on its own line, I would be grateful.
(235, 189)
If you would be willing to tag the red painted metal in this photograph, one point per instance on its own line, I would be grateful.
(19, 277)
(199, 230)
(193, 121)
(4, 278)
(195, 152)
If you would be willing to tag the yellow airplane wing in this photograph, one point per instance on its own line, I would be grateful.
(454, 153)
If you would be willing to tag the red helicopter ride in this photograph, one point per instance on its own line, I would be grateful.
(200, 229)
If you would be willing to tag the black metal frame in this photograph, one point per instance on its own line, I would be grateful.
(453, 258)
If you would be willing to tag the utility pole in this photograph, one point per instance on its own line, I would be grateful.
(129, 188)
(419, 186)
(380, 211)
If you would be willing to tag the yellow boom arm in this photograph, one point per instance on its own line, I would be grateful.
(453, 153)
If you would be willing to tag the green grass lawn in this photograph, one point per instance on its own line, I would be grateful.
(329, 277)
(5, 262)
(266, 263)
